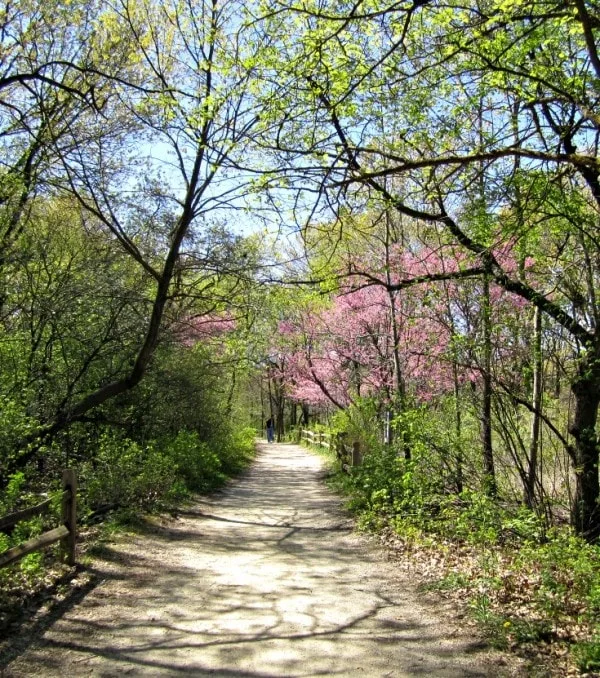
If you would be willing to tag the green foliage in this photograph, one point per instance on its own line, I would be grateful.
(587, 654)
(569, 575)
(502, 631)
(473, 517)
(491, 623)
(12, 492)
(15, 424)
(125, 473)
(27, 529)
(387, 487)
(129, 475)
(525, 526)
(237, 450)
(451, 582)
(194, 462)
(522, 580)
(360, 422)
(31, 565)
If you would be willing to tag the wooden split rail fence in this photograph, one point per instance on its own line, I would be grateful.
(65, 533)
(318, 439)
(348, 456)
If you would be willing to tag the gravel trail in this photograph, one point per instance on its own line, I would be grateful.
(263, 579)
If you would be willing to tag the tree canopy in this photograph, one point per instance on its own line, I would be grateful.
(427, 175)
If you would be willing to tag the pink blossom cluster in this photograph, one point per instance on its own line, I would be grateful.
(369, 338)
(195, 329)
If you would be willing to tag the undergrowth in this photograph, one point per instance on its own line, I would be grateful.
(531, 588)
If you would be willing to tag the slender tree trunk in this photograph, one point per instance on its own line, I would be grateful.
(231, 393)
(486, 406)
(280, 412)
(263, 419)
(293, 414)
(532, 471)
(398, 380)
(459, 480)
(270, 412)
(398, 396)
(458, 429)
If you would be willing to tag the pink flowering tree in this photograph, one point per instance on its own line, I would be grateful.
(416, 332)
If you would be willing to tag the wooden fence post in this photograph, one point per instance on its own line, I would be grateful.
(69, 514)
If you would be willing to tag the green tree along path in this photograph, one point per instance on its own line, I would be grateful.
(264, 579)
(476, 122)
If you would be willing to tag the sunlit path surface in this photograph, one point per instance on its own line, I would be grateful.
(263, 579)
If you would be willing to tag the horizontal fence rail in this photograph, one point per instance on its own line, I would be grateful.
(65, 533)
(319, 439)
(8, 522)
(348, 456)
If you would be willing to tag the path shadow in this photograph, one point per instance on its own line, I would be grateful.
(264, 580)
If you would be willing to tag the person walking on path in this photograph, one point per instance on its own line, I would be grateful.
(270, 430)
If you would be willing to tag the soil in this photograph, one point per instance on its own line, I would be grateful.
(265, 579)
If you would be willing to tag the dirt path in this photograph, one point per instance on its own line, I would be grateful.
(264, 579)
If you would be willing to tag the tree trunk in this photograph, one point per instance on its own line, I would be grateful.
(270, 391)
(532, 471)
(305, 415)
(398, 399)
(458, 429)
(280, 415)
(585, 509)
(293, 414)
(489, 482)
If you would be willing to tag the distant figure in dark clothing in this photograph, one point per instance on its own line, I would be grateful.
(270, 430)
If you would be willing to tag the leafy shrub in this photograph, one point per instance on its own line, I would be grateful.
(194, 462)
(15, 425)
(237, 450)
(473, 517)
(524, 582)
(31, 565)
(9, 499)
(569, 570)
(124, 473)
(387, 487)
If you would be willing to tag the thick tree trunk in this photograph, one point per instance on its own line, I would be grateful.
(305, 414)
(585, 509)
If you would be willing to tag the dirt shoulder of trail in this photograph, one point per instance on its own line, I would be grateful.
(265, 578)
